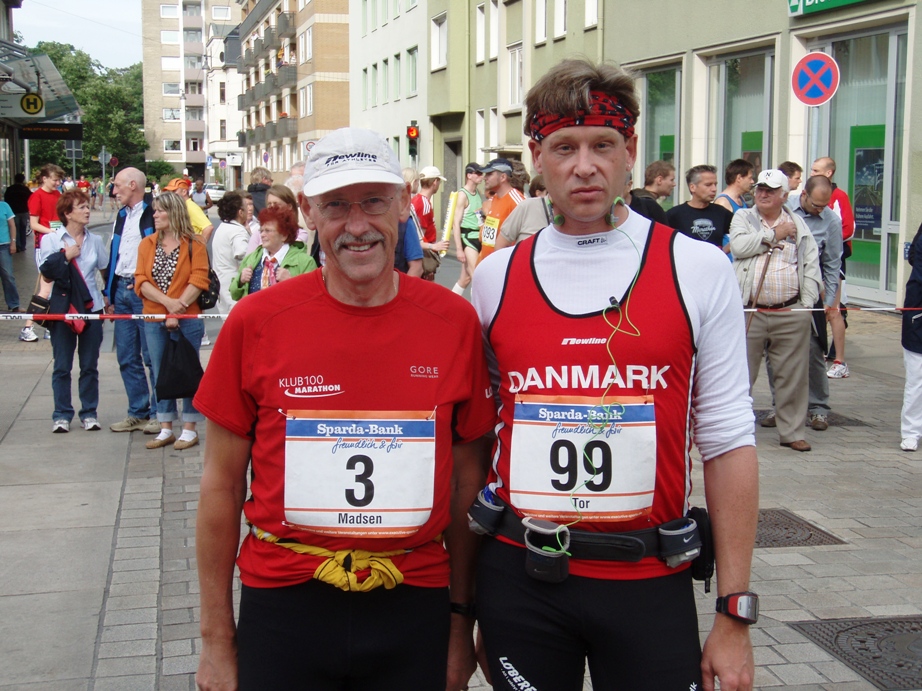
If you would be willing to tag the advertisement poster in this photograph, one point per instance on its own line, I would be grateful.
(867, 176)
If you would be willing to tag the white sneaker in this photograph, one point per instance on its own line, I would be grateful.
(205, 340)
(27, 334)
(61, 426)
(839, 370)
(909, 444)
(47, 334)
(91, 424)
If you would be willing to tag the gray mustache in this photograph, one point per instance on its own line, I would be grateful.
(364, 239)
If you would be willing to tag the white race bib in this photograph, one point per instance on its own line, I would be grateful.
(574, 459)
(359, 473)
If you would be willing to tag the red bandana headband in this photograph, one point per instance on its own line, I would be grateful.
(604, 111)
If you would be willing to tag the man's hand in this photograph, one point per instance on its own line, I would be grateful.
(12, 248)
(217, 666)
(727, 655)
(785, 231)
(462, 662)
(440, 246)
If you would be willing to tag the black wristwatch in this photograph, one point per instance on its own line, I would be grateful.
(741, 606)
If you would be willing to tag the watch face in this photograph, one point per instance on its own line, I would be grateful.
(745, 607)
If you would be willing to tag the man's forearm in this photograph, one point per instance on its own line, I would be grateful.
(470, 461)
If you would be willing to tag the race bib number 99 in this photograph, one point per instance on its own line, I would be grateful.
(490, 229)
(572, 458)
(359, 474)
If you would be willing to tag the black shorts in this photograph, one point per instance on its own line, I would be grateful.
(637, 635)
(315, 637)
(471, 238)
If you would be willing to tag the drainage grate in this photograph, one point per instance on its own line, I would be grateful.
(781, 528)
(834, 419)
(886, 652)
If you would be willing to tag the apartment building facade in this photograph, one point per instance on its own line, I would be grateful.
(175, 32)
(295, 78)
(222, 119)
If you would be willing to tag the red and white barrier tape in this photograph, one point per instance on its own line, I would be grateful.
(106, 317)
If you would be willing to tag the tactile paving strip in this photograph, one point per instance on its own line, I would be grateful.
(886, 652)
(781, 528)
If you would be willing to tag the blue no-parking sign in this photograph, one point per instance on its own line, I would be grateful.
(815, 79)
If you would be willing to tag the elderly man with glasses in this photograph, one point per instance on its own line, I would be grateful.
(360, 400)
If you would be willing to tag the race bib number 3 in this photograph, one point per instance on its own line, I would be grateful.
(490, 228)
(572, 458)
(359, 474)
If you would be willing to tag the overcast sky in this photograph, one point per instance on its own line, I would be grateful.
(109, 30)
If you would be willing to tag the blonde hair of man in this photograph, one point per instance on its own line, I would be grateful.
(260, 174)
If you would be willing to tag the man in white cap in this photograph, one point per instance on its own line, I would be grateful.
(430, 182)
(777, 265)
(366, 439)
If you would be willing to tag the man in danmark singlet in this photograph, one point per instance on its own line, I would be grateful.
(610, 356)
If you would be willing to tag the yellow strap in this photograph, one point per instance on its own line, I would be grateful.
(333, 570)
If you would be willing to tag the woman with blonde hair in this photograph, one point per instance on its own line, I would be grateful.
(172, 272)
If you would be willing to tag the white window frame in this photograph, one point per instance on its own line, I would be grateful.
(365, 88)
(479, 136)
(494, 29)
(373, 83)
(412, 70)
(221, 16)
(178, 143)
(438, 42)
(560, 18)
(309, 42)
(166, 34)
(170, 93)
(494, 129)
(171, 63)
(172, 111)
(397, 76)
(310, 99)
(541, 21)
(516, 75)
(167, 15)
(302, 102)
(481, 33)
(193, 32)
(385, 80)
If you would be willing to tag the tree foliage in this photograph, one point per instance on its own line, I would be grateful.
(112, 105)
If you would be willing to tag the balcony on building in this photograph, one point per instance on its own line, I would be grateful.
(271, 42)
(193, 74)
(249, 137)
(258, 51)
(242, 101)
(259, 134)
(241, 64)
(192, 21)
(270, 131)
(195, 156)
(259, 93)
(194, 126)
(249, 58)
(241, 139)
(288, 77)
(271, 84)
(286, 127)
(285, 26)
(194, 48)
(195, 100)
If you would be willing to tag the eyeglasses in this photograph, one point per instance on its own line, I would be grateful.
(340, 208)
(818, 207)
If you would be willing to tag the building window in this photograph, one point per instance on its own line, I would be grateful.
(220, 12)
(383, 12)
(309, 43)
(438, 44)
(560, 18)
(592, 13)
(494, 129)
(194, 62)
(745, 88)
(222, 93)
(374, 14)
(396, 76)
(411, 3)
(661, 118)
(194, 144)
(364, 17)
(196, 113)
(396, 8)
(494, 29)
(373, 83)
(192, 36)
(540, 21)
(302, 101)
(516, 80)
(309, 106)
(169, 11)
(365, 89)
(169, 37)
(171, 114)
(170, 89)
(170, 63)
(172, 145)
(385, 80)
(481, 33)
(412, 59)
(222, 129)
(479, 136)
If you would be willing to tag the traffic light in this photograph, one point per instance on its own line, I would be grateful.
(413, 139)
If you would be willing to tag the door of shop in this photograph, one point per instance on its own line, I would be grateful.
(861, 129)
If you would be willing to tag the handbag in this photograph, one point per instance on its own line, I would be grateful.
(39, 305)
(431, 259)
(180, 370)
(208, 298)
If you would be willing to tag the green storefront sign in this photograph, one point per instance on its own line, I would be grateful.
(797, 8)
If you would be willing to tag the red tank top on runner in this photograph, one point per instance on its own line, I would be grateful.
(595, 440)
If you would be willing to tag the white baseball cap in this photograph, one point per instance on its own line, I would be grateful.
(774, 179)
(350, 156)
(430, 173)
